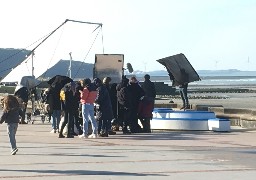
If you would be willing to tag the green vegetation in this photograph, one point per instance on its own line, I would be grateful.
(7, 89)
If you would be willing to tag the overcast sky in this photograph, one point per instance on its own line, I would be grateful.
(213, 34)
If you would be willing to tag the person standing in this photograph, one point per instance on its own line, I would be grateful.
(125, 105)
(183, 88)
(88, 96)
(70, 106)
(113, 101)
(149, 88)
(23, 95)
(137, 94)
(78, 114)
(182, 83)
(11, 114)
(55, 108)
(146, 105)
(104, 112)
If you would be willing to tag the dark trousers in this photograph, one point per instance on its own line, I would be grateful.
(124, 116)
(134, 126)
(24, 112)
(68, 120)
(78, 121)
(184, 95)
(104, 125)
(146, 125)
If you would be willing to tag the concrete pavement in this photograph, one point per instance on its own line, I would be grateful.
(159, 155)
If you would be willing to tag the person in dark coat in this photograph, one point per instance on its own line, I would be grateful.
(149, 88)
(137, 94)
(124, 104)
(114, 103)
(78, 118)
(23, 95)
(106, 82)
(70, 107)
(56, 84)
(104, 112)
(54, 108)
(146, 105)
(183, 87)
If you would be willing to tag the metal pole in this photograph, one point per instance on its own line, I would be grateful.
(70, 63)
(102, 39)
(32, 58)
(32, 97)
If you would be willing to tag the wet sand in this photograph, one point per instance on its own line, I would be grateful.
(232, 101)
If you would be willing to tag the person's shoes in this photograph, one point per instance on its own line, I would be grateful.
(14, 151)
(183, 107)
(92, 136)
(53, 131)
(83, 136)
(103, 134)
(111, 132)
(61, 136)
(187, 107)
(23, 122)
(70, 136)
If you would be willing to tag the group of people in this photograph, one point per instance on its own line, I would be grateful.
(102, 104)
(135, 102)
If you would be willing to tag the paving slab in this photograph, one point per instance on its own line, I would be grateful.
(158, 155)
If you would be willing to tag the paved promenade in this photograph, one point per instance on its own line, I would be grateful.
(174, 155)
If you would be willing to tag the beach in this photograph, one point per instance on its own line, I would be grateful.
(235, 101)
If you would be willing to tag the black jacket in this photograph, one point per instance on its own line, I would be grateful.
(123, 94)
(103, 100)
(136, 93)
(23, 94)
(149, 88)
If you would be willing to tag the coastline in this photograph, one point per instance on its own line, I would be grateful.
(232, 100)
(236, 101)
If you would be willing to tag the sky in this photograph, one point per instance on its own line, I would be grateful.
(212, 34)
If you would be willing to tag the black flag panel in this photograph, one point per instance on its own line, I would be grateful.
(175, 63)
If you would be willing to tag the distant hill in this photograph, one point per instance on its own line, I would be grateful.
(10, 58)
(78, 70)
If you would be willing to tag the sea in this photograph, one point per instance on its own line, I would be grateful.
(226, 81)
(214, 80)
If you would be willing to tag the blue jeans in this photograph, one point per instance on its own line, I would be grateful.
(88, 114)
(56, 119)
(11, 130)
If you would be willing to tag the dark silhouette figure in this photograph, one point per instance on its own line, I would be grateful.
(124, 104)
(23, 95)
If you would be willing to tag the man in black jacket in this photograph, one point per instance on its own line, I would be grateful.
(125, 105)
(23, 95)
(147, 104)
